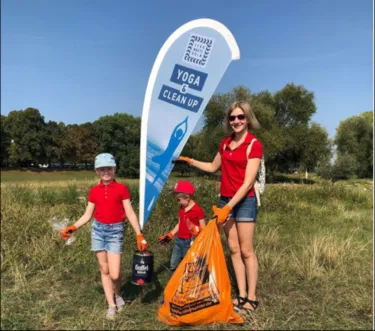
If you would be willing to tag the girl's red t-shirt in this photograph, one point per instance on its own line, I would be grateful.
(108, 200)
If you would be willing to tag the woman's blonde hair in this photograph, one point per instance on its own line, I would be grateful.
(252, 122)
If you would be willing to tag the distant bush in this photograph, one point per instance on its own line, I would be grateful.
(344, 167)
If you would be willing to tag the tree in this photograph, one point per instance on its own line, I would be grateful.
(80, 144)
(293, 109)
(119, 134)
(287, 135)
(54, 137)
(344, 167)
(316, 147)
(354, 137)
(27, 134)
(5, 141)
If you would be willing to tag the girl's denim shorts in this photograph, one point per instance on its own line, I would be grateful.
(107, 237)
(244, 211)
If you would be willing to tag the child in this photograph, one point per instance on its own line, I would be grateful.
(109, 201)
(191, 221)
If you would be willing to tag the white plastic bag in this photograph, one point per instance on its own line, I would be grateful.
(61, 224)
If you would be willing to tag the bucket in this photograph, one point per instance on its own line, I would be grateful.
(143, 266)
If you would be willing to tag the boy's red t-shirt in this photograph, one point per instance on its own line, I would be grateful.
(109, 208)
(234, 162)
(195, 214)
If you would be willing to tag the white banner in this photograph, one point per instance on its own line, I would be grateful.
(185, 74)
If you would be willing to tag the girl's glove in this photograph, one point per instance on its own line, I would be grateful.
(166, 239)
(221, 213)
(67, 231)
(141, 242)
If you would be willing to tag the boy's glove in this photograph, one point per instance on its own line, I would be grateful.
(185, 158)
(221, 213)
(141, 242)
(166, 239)
(67, 231)
(195, 230)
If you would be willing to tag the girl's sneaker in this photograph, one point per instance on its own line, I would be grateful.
(111, 312)
(120, 303)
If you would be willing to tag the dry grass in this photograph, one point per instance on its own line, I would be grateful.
(314, 245)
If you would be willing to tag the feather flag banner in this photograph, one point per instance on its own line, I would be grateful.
(185, 74)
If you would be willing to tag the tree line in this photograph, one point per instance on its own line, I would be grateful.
(292, 142)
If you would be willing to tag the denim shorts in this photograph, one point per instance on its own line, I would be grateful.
(244, 211)
(107, 237)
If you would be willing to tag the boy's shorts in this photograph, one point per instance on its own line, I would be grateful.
(107, 237)
(180, 248)
(245, 210)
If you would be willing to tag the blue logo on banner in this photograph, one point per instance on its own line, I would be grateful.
(193, 78)
(183, 100)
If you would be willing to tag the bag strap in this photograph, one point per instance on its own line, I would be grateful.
(249, 147)
(256, 184)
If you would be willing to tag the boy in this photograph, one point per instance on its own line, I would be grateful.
(109, 201)
(191, 222)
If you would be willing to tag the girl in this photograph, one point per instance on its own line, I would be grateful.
(109, 201)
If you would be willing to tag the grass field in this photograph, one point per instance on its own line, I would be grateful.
(12, 176)
(314, 244)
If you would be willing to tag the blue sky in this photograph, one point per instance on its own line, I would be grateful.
(78, 60)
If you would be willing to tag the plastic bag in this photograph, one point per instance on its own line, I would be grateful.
(61, 224)
(199, 291)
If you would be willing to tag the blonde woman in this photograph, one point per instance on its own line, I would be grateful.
(238, 157)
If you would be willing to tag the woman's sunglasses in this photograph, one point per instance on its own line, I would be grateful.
(241, 117)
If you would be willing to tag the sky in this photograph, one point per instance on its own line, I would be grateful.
(78, 60)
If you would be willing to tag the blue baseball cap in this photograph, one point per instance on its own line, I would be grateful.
(104, 160)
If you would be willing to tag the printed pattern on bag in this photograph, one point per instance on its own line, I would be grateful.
(199, 291)
(196, 291)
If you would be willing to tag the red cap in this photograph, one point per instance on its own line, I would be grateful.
(184, 186)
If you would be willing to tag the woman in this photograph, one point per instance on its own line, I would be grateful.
(239, 158)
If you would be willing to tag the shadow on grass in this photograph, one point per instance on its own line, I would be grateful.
(151, 292)
(148, 293)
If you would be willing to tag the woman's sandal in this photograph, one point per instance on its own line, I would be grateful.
(240, 302)
(253, 303)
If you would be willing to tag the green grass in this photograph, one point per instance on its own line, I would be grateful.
(314, 245)
(11, 176)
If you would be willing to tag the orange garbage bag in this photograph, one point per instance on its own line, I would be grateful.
(199, 291)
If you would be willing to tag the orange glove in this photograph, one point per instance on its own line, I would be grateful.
(66, 232)
(185, 158)
(195, 230)
(165, 240)
(221, 213)
(141, 242)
